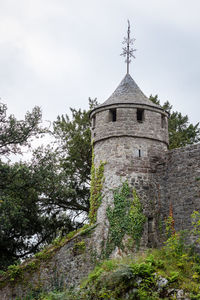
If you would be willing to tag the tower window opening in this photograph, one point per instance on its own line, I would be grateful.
(163, 121)
(93, 122)
(140, 115)
(112, 115)
(139, 153)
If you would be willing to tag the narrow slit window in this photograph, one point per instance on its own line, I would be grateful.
(93, 122)
(140, 115)
(163, 121)
(150, 225)
(112, 115)
(139, 153)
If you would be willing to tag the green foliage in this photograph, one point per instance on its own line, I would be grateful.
(14, 271)
(181, 133)
(196, 225)
(87, 230)
(173, 276)
(40, 198)
(34, 195)
(75, 141)
(59, 189)
(43, 254)
(79, 248)
(137, 219)
(137, 278)
(14, 133)
(169, 226)
(112, 278)
(32, 265)
(126, 217)
(71, 234)
(73, 158)
(95, 189)
(22, 214)
(18, 273)
(176, 245)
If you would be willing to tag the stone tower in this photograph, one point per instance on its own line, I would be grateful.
(130, 134)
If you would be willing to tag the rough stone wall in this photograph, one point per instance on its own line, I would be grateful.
(161, 178)
(121, 155)
(131, 145)
(127, 124)
(66, 267)
(178, 176)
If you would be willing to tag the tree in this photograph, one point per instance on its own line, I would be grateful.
(74, 152)
(14, 133)
(60, 188)
(24, 225)
(63, 170)
(181, 133)
(41, 198)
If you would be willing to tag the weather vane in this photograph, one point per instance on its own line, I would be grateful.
(128, 52)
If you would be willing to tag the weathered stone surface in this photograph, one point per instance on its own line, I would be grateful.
(131, 149)
(128, 92)
(126, 124)
(137, 151)
(177, 177)
(66, 267)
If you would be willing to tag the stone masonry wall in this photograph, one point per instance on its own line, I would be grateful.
(125, 162)
(127, 125)
(58, 268)
(178, 177)
(161, 178)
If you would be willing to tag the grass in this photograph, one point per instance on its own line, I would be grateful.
(151, 275)
(138, 277)
(15, 273)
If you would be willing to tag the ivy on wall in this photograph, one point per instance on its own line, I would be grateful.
(126, 217)
(97, 178)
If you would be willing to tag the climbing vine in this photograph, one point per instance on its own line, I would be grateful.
(170, 223)
(97, 177)
(137, 219)
(126, 217)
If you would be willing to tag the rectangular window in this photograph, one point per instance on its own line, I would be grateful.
(140, 115)
(112, 115)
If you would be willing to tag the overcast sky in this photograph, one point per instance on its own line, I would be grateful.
(57, 53)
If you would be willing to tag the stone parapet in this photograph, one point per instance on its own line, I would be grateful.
(153, 126)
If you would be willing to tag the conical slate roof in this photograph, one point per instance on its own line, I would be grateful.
(128, 93)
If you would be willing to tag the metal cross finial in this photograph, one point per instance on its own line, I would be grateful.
(128, 52)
